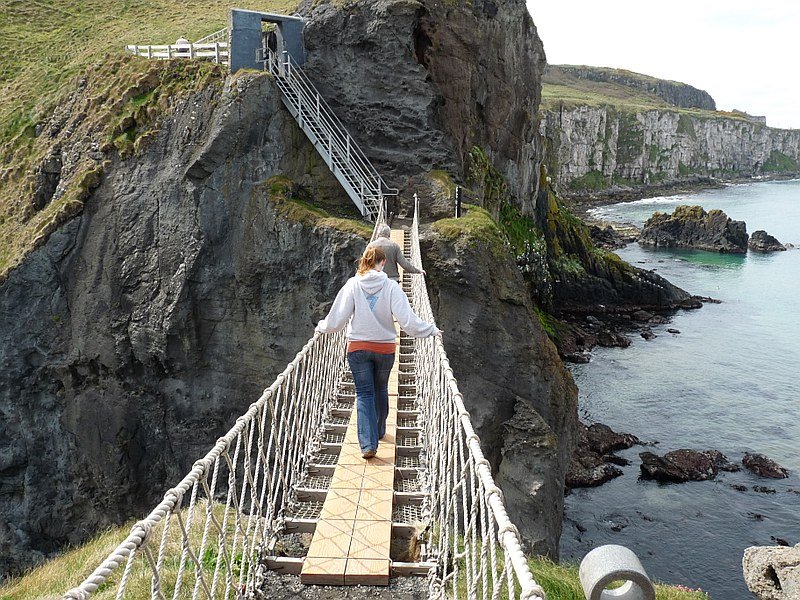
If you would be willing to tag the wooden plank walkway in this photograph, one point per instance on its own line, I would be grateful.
(352, 538)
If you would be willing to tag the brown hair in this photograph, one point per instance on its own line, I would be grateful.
(371, 257)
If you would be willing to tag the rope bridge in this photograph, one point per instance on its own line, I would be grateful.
(212, 534)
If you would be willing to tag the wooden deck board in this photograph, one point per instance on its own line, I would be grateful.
(353, 536)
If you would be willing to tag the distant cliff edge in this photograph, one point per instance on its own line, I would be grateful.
(609, 130)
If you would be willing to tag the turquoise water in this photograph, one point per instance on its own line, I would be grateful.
(729, 381)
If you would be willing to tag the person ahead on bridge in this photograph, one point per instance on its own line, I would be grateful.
(368, 301)
(394, 254)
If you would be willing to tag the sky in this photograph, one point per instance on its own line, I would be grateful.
(744, 53)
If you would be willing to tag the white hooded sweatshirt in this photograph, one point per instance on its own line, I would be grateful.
(371, 300)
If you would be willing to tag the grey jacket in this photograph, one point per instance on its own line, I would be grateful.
(394, 255)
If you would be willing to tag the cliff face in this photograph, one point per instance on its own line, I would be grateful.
(425, 82)
(595, 147)
(143, 327)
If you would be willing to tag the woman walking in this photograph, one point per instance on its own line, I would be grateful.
(368, 301)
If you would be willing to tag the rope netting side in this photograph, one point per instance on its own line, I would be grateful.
(476, 546)
(203, 540)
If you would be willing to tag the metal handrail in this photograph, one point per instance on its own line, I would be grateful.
(297, 72)
(342, 149)
(217, 36)
(329, 123)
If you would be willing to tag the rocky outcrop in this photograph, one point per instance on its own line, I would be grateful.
(601, 149)
(521, 399)
(592, 461)
(143, 327)
(671, 92)
(761, 241)
(763, 466)
(684, 465)
(772, 572)
(433, 80)
(693, 227)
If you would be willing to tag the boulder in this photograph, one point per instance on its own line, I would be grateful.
(763, 466)
(592, 461)
(602, 439)
(683, 465)
(772, 572)
(761, 241)
(693, 227)
(610, 238)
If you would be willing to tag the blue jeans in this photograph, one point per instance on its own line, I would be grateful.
(371, 376)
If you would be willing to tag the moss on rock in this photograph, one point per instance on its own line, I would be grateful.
(283, 193)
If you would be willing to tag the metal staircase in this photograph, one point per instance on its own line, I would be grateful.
(335, 145)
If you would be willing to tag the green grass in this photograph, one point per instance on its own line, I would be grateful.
(118, 108)
(281, 191)
(56, 576)
(778, 162)
(475, 228)
(559, 89)
(47, 52)
(53, 578)
(561, 582)
(44, 45)
(591, 181)
(444, 181)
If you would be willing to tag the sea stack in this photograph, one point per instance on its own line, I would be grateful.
(693, 227)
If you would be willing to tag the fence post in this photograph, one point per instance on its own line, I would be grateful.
(169, 51)
(149, 52)
(458, 201)
(216, 52)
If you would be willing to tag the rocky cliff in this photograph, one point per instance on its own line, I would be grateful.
(693, 227)
(431, 81)
(522, 402)
(602, 138)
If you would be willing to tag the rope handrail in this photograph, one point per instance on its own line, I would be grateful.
(262, 459)
(466, 504)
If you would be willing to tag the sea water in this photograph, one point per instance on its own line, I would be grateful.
(729, 381)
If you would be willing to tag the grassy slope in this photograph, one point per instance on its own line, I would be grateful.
(43, 44)
(43, 50)
(560, 89)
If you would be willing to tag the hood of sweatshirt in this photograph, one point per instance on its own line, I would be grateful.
(372, 281)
